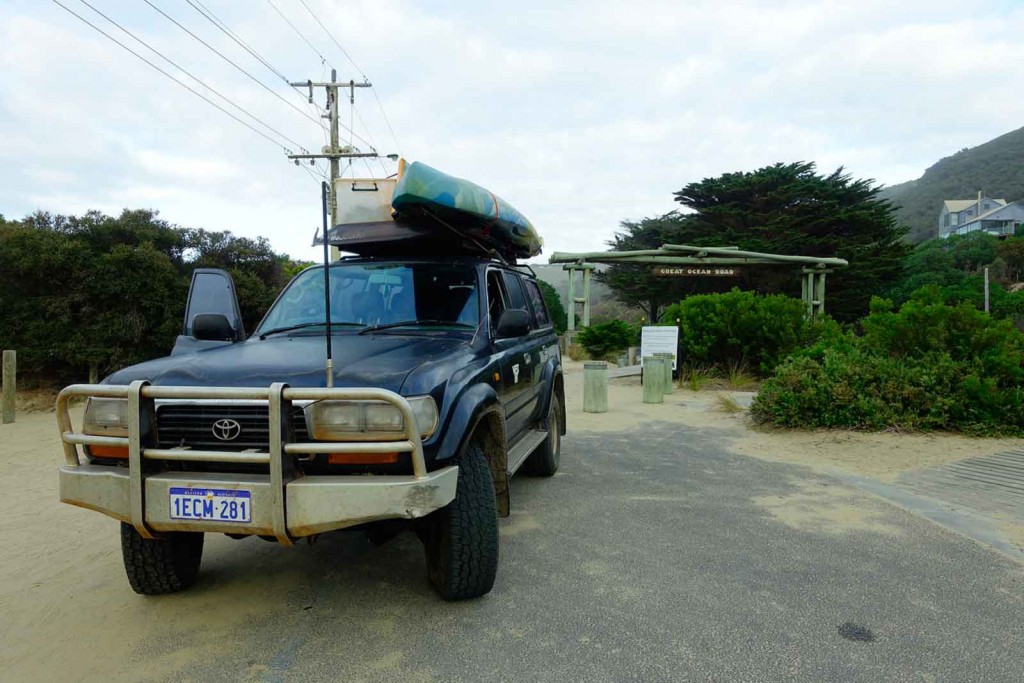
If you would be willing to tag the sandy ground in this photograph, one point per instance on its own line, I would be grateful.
(881, 456)
(878, 455)
(70, 610)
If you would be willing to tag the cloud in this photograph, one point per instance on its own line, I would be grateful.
(582, 114)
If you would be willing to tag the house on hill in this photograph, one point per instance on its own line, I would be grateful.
(994, 216)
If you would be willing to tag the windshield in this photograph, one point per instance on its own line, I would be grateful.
(371, 295)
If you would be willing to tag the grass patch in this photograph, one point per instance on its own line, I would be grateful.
(577, 352)
(728, 404)
(738, 377)
(695, 377)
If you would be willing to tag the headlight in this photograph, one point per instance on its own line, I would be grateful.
(106, 417)
(367, 420)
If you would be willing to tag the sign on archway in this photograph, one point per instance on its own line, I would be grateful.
(697, 271)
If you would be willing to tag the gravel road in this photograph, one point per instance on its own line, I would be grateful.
(655, 554)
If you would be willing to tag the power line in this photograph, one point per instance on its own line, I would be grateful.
(323, 60)
(226, 30)
(187, 87)
(386, 120)
(232, 63)
(193, 77)
(367, 129)
(213, 19)
(334, 40)
(329, 35)
(209, 15)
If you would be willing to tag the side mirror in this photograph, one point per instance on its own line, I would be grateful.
(514, 322)
(212, 327)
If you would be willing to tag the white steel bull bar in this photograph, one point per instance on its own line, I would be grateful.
(424, 491)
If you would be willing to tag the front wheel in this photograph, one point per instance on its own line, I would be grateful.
(156, 566)
(461, 539)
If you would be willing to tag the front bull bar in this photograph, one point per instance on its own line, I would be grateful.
(318, 502)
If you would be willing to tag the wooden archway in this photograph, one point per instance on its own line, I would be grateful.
(813, 269)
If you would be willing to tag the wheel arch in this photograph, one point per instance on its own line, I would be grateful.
(478, 415)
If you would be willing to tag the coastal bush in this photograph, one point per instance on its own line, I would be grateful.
(739, 329)
(607, 338)
(927, 366)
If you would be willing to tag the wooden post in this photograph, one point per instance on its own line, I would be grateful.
(654, 380)
(586, 296)
(986, 290)
(819, 309)
(571, 322)
(667, 358)
(803, 292)
(595, 387)
(94, 373)
(9, 378)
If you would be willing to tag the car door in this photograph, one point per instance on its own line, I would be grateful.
(212, 292)
(512, 385)
(527, 351)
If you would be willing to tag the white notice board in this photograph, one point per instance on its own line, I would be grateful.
(659, 339)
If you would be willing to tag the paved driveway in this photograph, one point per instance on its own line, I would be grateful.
(653, 555)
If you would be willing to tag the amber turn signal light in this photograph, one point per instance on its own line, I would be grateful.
(109, 451)
(362, 458)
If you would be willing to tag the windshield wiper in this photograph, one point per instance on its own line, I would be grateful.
(289, 328)
(404, 323)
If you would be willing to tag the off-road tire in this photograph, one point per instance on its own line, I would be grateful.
(544, 461)
(461, 539)
(160, 565)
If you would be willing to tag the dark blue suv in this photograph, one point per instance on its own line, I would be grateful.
(446, 380)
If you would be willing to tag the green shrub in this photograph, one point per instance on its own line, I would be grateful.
(606, 338)
(742, 329)
(928, 366)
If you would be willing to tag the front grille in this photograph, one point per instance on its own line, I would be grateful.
(193, 425)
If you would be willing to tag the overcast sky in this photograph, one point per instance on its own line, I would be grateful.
(581, 114)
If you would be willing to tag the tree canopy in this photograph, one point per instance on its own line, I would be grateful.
(781, 209)
(554, 303)
(97, 290)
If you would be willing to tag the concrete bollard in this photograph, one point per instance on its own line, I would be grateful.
(632, 353)
(667, 357)
(10, 371)
(654, 380)
(595, 387)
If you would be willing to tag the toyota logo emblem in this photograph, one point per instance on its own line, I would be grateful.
(226, 430)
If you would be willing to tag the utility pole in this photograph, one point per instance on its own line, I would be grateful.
(986, 290)
(333, 152)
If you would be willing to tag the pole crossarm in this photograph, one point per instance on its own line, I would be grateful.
(335, 155)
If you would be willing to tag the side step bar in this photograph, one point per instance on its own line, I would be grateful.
(518, 454)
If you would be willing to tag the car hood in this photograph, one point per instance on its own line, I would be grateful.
(375, 360)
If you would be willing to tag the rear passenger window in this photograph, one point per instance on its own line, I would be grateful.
(516, 298)
(540, 312)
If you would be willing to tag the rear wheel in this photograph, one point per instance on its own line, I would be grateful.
(544, 461)
(461, 539)
(156, 566)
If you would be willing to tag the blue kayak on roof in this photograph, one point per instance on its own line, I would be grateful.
(428, 198)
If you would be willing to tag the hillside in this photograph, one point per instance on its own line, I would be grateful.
(994, 167)
(558, 278)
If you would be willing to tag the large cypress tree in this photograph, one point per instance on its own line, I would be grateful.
(781, 209)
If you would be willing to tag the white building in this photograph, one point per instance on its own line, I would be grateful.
(994, 216)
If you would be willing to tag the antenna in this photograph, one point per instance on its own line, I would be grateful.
(327, 288)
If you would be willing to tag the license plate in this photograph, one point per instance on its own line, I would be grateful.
(218, 505)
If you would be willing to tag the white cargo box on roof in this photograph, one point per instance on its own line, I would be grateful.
(363, 200)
